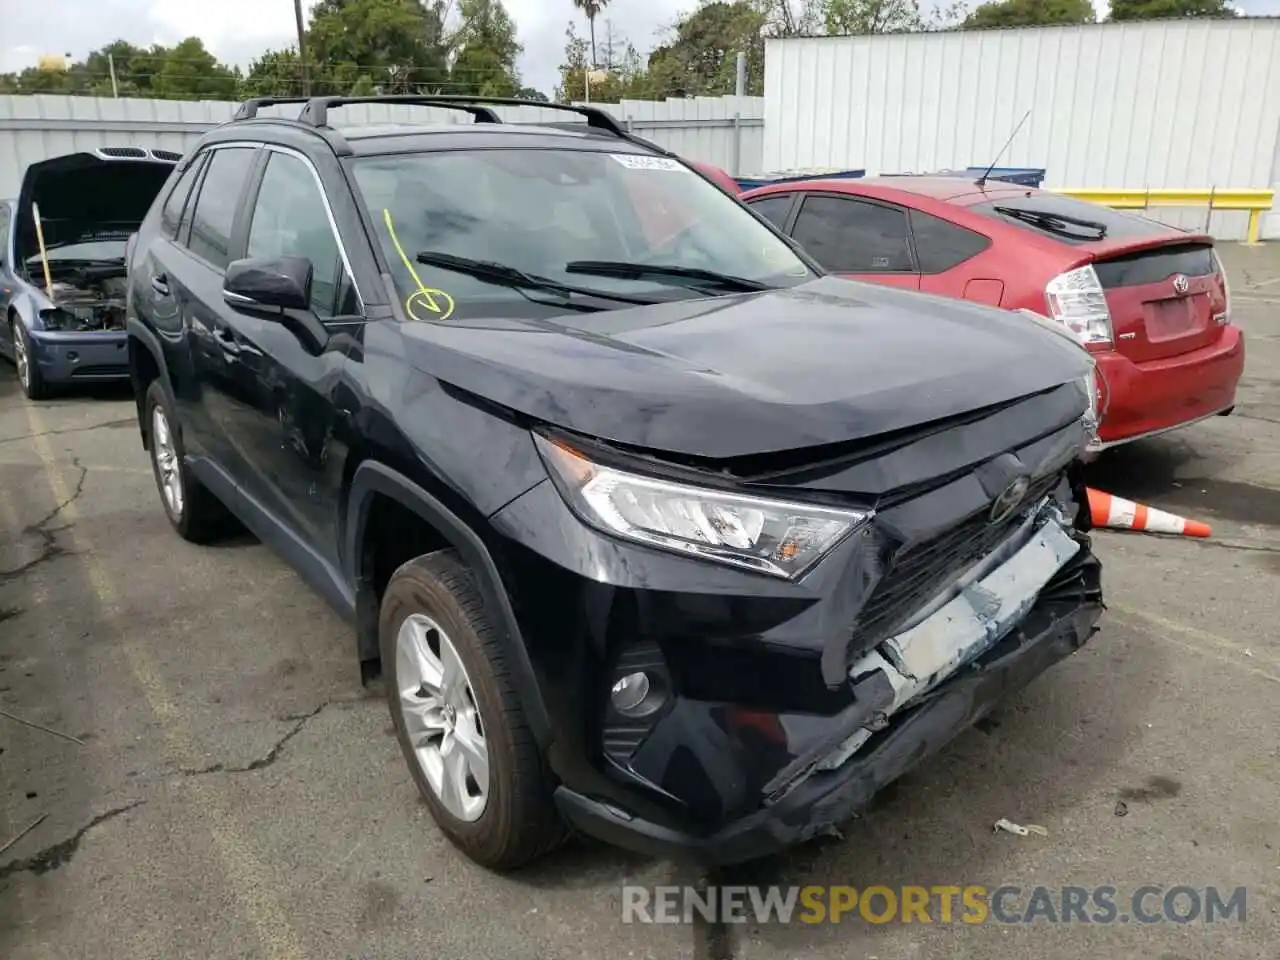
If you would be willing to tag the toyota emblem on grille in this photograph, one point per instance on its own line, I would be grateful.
(1181, 284)
(1010, 500)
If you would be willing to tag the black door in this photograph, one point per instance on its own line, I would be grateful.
(280, 413)
(158, 297)
(185, 288)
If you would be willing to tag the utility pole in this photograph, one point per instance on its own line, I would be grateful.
(302, 48)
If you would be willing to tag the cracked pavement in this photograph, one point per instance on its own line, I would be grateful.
(237, 795)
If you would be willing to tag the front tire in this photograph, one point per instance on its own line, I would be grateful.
(194, 512)
(33, 384)
(458, 718)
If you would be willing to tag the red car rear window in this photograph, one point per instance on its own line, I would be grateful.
(1069, 220)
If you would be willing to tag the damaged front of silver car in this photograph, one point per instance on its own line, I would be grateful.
(64, 263)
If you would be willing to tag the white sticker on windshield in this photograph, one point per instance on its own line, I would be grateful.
(638, 161)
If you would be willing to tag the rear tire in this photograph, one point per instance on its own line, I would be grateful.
(194, 512)
(33, 384)
(501, 816)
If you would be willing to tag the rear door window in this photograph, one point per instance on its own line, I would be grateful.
(941, 245)
(774, 208)
(1069, 220)
(853, 236)
(171, 214)
(215, 208)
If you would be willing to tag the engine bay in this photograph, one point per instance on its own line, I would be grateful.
(87, 298)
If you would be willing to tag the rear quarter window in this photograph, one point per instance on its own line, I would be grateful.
(773, 208)
(1081, 222)
(941, 245)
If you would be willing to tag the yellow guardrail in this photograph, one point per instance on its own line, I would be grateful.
(1256, 202)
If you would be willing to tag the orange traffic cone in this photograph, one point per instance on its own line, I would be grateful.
(1121, 514)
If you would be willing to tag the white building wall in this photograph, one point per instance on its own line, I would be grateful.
(1160, 104)
(726, 131)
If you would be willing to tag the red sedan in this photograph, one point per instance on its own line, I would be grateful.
(1150, 302)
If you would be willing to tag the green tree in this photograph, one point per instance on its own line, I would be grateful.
(487, 50)
(190, 72)
(276, 73)
(398, 44)
(1168, 9)
(857, 17)
(591, 9)
(628, 80)
(135, 68)
(528, 93)
(184, 72)
(699, 56)
(1029, 13)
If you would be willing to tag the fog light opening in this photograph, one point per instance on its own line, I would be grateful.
(636, 695)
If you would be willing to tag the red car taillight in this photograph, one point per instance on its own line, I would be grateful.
(1223, 318)
(1077, 301)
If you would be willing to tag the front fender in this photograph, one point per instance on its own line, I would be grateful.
(371, 478)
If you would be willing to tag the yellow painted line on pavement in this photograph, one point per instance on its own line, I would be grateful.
(1200, 641)
(92, 468)
(250, 883)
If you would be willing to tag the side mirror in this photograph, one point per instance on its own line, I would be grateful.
(280, 282)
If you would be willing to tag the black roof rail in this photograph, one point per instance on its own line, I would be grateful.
(316, 111)
(249, 109)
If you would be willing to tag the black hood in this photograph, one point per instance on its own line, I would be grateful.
(88, 195)
(825, 362)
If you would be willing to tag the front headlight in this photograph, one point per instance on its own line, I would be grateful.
(770, 536)
(56, 318)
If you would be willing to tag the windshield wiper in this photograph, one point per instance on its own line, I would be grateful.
(507, 276)
(681, 276)
(1055, 222)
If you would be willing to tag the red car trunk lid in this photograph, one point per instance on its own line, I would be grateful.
(1165, 299)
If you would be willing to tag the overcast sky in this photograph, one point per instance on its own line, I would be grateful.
(238, 30)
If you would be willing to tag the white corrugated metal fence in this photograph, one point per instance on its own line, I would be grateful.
(726, 131)
(1160, 104)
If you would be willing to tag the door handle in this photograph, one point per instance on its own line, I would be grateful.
(160, 284)
(226, 339)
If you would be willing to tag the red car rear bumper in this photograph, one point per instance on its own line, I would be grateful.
(1140, 399)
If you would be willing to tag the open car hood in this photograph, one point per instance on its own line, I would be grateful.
(825, 362)
(89, 195)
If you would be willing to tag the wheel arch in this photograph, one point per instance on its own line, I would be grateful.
(146, 364)
(372, 480)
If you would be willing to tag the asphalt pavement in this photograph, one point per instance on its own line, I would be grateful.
(231, 791)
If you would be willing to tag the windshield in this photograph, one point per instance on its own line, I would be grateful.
(92, 250)
(542, 211)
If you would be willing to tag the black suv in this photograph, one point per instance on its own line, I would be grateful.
(653, 530)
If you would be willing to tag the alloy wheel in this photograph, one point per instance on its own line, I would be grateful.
(20, 356)
(165, 452)
(442, 718)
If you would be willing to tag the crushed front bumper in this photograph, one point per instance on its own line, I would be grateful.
(72, 357)
(912, 698)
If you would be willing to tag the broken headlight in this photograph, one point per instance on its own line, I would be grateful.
(56, 318)
(770, 536)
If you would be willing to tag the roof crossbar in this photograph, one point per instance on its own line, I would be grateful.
(315, 112)
(249, 109)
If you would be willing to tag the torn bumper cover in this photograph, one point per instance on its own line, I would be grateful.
(1032, 604)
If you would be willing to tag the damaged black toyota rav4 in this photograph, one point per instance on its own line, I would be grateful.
(652, 531)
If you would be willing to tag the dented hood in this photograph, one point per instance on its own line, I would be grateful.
(827, 361)
(89, 195)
